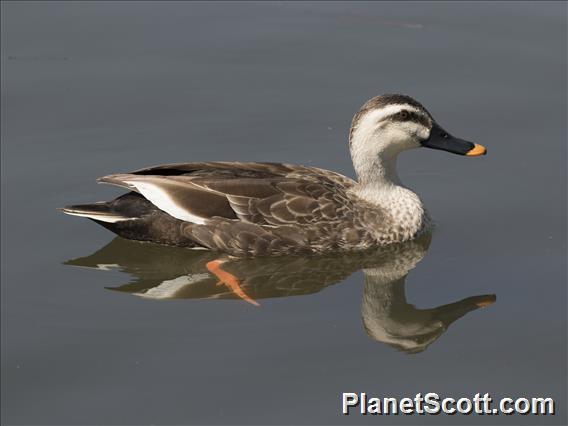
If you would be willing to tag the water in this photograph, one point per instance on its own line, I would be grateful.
(91, 89)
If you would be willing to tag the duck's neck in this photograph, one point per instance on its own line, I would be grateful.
(380, 185)
(378, 171)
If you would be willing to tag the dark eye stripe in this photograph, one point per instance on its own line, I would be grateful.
(411, 116)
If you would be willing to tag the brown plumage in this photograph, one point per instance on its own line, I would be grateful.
(247, 208)
(259, 209)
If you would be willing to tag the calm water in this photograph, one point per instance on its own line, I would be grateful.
(92, 89)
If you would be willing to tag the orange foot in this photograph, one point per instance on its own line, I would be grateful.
(232, 282)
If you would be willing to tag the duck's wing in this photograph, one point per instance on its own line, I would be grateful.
(260, 193)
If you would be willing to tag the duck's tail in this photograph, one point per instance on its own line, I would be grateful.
(101, 212)
(133, 217)
(129, 206)
(127, 215)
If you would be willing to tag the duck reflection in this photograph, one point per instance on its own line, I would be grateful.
(161, 272)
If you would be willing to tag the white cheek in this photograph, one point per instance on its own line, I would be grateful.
(372, 135)
(406, 135)
(423, 133)
(364, 141)
(418, 133)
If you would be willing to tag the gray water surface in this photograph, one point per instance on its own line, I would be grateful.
(90, 89)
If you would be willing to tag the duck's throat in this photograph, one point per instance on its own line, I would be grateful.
(379, 170)
(381, 187)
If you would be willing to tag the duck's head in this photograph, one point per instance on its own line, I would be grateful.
(388, 124)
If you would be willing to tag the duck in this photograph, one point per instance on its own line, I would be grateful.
(244, 209)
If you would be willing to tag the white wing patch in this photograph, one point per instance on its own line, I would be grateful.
(163, 201)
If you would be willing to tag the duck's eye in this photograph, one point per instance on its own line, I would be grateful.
(403, 115)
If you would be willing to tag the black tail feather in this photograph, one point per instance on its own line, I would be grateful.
(133, 217)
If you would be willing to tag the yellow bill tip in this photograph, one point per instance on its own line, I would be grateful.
(476, 150)
(486, 301)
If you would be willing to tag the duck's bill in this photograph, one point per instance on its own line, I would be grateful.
(440, 139)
